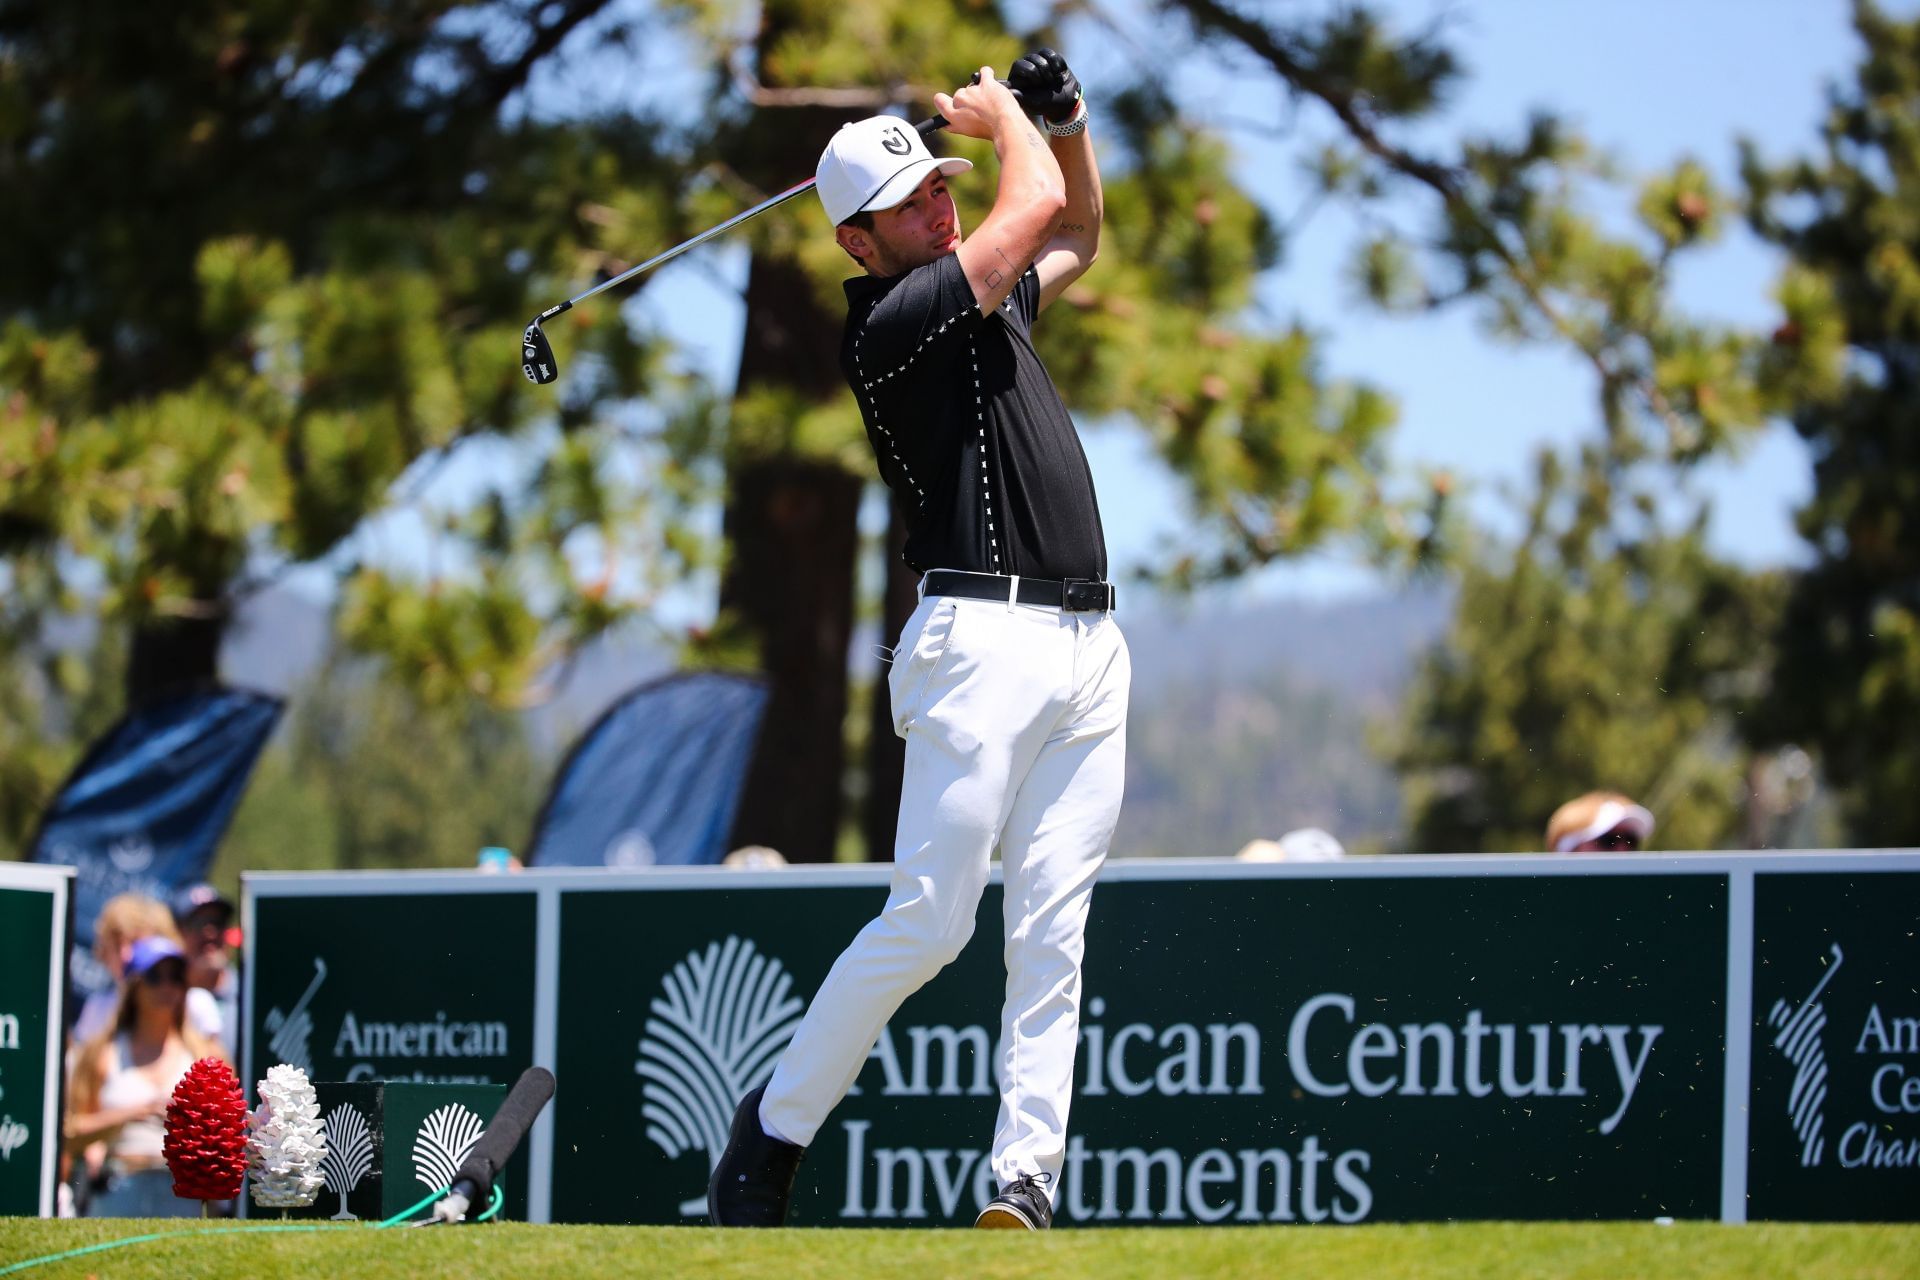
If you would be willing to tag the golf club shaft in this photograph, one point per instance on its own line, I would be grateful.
(536, 353)
(683, 246)
(930, 125)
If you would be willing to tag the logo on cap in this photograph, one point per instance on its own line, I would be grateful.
(895, 141)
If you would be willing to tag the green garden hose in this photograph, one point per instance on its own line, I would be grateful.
(493, 1208)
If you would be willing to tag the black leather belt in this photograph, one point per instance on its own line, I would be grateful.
(1074, 595)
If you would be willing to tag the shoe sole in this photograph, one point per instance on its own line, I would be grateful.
(999, 1217)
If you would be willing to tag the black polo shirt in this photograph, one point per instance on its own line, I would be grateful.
(968, 430)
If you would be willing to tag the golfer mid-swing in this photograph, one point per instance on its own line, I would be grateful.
(1010, 680)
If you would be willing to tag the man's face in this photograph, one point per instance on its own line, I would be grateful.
(1615, 841)
(920, 229)
(205, 933)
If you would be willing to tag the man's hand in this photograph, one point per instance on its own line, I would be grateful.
(1027, 199)
(1046, 85)
(981, 109)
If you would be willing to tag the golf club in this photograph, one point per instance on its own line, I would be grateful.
(536, 353)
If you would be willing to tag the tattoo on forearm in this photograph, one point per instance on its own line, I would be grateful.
(994, 277)
(1033, 141)
(1073, 228)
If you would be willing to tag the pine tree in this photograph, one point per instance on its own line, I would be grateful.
(364, 774)
(1278, 458)
(1598, 651)
(1604, 646)
(257, 264)
(261, 268)
(1847, 357)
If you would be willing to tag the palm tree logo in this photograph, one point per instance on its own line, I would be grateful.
(349, 1153)
(718, 1029)
(442, 1144)
(1798, 1037)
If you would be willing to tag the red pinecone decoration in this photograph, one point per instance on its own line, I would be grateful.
(206, 1144)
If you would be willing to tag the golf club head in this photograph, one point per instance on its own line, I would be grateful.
(536, 356)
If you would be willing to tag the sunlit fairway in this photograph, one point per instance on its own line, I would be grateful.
(1603, 1251)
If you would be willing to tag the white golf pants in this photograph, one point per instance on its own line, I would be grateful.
(1015, 721)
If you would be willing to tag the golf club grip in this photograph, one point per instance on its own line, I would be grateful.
(936, 122)
(507, 1129)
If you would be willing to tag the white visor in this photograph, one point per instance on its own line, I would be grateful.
(1612, 816)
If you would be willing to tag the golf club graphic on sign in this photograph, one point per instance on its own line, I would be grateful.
(1798, 1037)
(349, 1153)
(290, 1035)
(717, 1033)
(443, 1143)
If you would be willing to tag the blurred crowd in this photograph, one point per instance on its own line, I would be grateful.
(1597, 822)
(175, 1000)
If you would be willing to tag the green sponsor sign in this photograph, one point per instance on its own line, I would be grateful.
(1279, 1050)
(1397, 1039)
(389, 1145)
(35, 906)
(428, 988)
(1835, 1123)
(422, 988)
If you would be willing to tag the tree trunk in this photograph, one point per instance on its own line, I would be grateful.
(172, 654)
(791, 524)
(886, 753)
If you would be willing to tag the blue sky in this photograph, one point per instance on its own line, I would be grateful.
(1647, 82)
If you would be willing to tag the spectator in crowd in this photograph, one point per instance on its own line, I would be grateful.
(495, 860)
(1303, 844)
(1599, 822)
(125, 919)
(208, 936)
(122, 1080)
(754, 857)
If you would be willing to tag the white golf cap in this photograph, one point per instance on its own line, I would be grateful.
(875, 164)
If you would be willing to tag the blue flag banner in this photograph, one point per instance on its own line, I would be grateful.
(657, 778)
(146, 808)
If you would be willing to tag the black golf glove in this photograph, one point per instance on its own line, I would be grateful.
(1045, 85)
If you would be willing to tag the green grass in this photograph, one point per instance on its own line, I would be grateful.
(1602, 1251)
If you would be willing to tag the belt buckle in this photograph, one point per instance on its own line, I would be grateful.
(1079, 595)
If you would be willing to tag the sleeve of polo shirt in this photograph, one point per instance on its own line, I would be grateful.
(922, 313)
(1026, 297)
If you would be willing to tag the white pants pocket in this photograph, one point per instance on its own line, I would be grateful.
(923, 644)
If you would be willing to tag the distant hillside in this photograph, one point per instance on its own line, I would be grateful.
(1247, 721)
(1252, 721)
(1213, 763)
(1363, 649)
(281, 637)
(278, 639)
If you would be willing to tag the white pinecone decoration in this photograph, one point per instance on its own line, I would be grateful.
(285, 1143)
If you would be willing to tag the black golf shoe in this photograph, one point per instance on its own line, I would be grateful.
(753, 1182)
(1022, 1205)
